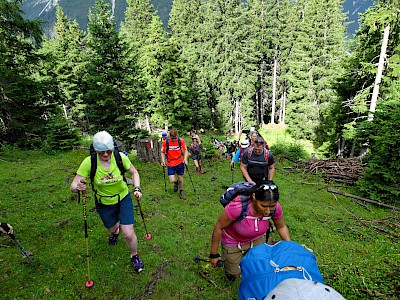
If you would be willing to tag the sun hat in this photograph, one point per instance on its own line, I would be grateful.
(103, 141)
(244, 144)
(301, 289)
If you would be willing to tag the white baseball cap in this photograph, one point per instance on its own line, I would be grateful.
(301, 289)
(103, 141)
(244, 144)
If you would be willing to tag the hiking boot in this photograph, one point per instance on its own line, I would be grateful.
(230, 277)
(113, 239)
(182, 195)
(175, 186)
(137, 263)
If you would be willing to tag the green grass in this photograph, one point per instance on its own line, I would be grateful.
(354, 258)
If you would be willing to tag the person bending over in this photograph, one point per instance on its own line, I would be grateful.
(238, 232)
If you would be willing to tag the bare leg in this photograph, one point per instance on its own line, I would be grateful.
(130, 238)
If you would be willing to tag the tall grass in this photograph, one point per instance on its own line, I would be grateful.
(354, 257)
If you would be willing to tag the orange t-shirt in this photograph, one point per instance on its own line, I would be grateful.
(175, 155)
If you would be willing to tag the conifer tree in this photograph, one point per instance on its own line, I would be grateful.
(170, 93)
(22, 114)
(107, 104)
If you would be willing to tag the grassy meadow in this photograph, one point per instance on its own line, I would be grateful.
(356, 244)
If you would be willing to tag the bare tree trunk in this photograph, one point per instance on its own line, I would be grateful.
(379, 73)
(148, 124)
(283, 106)
(237, 117)
(274, 91)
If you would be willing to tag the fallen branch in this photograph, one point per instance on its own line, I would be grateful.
(206, 277)
(362, 199)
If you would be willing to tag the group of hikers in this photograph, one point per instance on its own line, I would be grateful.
(241, 226)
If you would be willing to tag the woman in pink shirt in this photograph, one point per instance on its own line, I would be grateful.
(237, 237)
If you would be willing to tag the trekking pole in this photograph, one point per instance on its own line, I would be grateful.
(190, 177)
(148, 235)
(232, 170)
(165, 180)
(12, 236)
(89, 283)
(197, 258)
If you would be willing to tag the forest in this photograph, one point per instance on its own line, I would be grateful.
(222, 64)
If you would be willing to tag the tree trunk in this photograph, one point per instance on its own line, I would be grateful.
(274, 91)
(283, 106)
(379, 73)
(149, 149)
(237, 117)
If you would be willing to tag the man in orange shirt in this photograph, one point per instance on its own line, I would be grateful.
(175, 151)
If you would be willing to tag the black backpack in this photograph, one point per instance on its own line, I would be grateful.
(93, 162)
(245, 190)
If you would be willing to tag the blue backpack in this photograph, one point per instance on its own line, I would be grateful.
(265, 266)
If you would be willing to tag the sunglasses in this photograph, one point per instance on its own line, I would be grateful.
(104, 152)
(265, 187)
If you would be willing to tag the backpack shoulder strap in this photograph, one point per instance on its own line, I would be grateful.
(93, 164)
(266, 155)
(245, 204)
(119, 162)
(249, 152)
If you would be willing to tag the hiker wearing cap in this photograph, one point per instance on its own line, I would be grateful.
(174, 152)
(257, 163)
(238, 230)
(238, 155)
(193, 134)
(195, 151)
(164, 136)
(112, 197)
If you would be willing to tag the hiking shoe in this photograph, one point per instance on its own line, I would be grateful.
(175, 186)
(197, 173)
(182, 195)
(201, 172)
(137, 263)
(113, 239)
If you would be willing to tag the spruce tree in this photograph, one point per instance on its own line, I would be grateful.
(22, 116)
(107, 104)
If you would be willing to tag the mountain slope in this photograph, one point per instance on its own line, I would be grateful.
(78, 10)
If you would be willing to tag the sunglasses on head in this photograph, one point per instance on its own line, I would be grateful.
(266, 187)
(104, 152)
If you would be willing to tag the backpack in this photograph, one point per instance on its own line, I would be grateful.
(167, 145)
(265, 266)
(245, 190)
(93, 162)
(266, 154)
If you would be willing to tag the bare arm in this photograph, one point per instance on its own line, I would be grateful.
(163, 159)
(271, 172)
(136, 181)
(78, 184)
(185, 156)
(222, 222)
(282, 229)
(243, 168)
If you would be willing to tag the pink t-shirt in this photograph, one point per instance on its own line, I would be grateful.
(248, 229)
